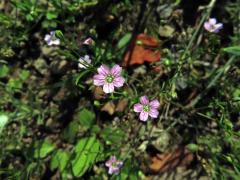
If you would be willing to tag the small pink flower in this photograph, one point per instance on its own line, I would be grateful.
(146, 108)
(108, 78)
(89, 41)
(51, 39)
(212, 26)
(114, 165)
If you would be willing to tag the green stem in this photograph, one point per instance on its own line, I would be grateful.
(203, 19)
(212, 82)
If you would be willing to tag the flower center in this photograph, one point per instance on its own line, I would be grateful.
(54, 38)
(146, 108)
(109, 78)
(212, 26)
(114, 164)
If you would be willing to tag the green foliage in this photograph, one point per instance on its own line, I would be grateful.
(60, 160)
(234, 50)
(59, 34)
(193, 147)
(3, 121)
(51, 115)
(112, 136)
(24, 75)
(51, 15)
(236, 94)
(86, 118)
(14, 84)
(124, 41)
(43, 148)
(70, 132)
(129, 171)
(87, 152)
(4, 70)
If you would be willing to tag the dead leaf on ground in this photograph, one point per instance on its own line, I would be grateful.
(109, 107)
(122, 104)
(171, 160)
(143, 48)
(98, 93)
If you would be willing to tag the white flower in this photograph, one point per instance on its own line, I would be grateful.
(51, 39)
(84, 61)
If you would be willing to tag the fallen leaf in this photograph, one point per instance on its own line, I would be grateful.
(109, 107)
(171, 160)
(143, 48)
(98, 93)
(122, 104)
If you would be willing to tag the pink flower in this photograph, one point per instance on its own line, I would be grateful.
(114, 165)
(51, 39)
(89, 41)
(108, 78)
(146, 108)
(212, 26)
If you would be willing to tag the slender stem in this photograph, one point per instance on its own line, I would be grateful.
(212, 83)
(206, 15)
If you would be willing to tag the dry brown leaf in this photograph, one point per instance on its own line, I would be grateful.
(109, 107)
(142, 49)
(122, 104)
(171, 160)
(98, 93)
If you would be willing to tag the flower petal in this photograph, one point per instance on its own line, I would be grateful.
(84, 62)
(207, 26)
(118, 81)
(111, 160)
(218, 27)
(154, 104)
(104, 70)
(212, 21)
(113, 170)
(52, 33)
(153, 113)
(144, 100)
(88, 41)
(143, 116)
(86, 57)
(49, 43)
(119, 164)
(108, 163)
(47, 37)
(99, 77)
(89, 61)
(98, 80)
(108, 87)
(56, 42)
(138, 107)
(116, 70)
(81, 66)
(81, 63)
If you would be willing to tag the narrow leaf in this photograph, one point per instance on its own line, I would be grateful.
(234, 50)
